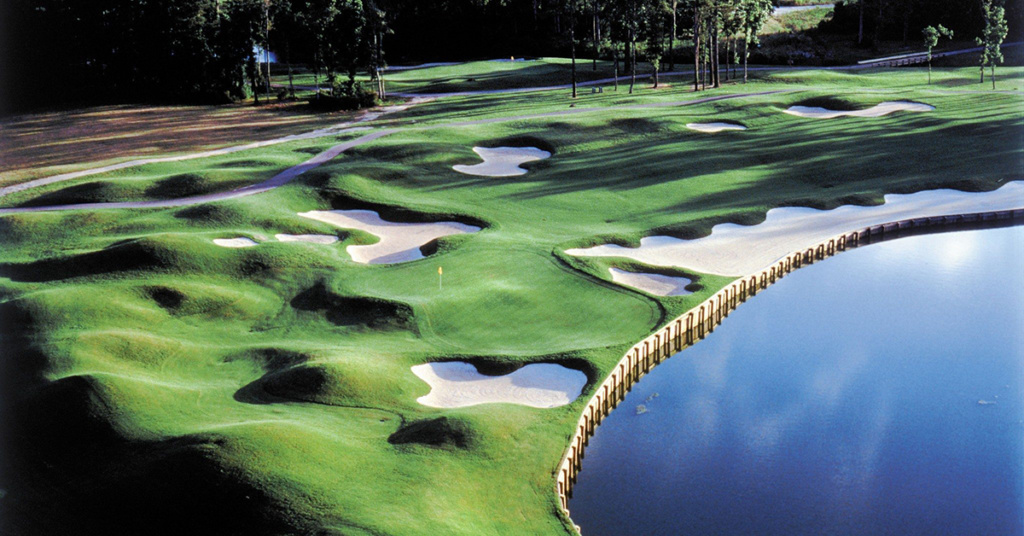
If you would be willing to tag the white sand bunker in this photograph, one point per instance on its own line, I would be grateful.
(714, 127)
(877, 110)
(733, 249)
(399, 242)
(502, 161)
(457, 384)
(657, 284)
(240, 242)
(311, 238)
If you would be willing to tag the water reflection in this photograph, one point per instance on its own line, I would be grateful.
(844, 400)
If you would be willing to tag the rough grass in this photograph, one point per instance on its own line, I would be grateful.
(156, 383)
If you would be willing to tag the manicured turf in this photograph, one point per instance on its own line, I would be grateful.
(161, 384)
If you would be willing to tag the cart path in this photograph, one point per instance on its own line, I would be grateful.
(289, 174)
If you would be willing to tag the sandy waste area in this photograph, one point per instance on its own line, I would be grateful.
(457, 384)
(399, 242)
(878, 110)
(502, 161)
(657, 284)
(737, 250)
(711, 128)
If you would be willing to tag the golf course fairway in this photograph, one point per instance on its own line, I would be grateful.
(162, 382)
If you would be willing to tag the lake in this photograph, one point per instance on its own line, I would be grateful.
(878, 392)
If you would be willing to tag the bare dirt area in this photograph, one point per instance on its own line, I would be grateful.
(46, 143)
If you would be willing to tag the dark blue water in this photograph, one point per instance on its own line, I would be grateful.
(878, 392)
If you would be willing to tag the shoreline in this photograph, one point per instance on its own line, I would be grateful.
(694, 324)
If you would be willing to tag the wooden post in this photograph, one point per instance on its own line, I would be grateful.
(700, 323)
(689, 328)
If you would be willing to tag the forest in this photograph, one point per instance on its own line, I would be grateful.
(63, 51)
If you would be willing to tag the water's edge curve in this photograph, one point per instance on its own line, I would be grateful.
(693, 325)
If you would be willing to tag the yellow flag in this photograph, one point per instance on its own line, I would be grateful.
(439, 270)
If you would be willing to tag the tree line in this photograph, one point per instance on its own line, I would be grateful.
(202, 50)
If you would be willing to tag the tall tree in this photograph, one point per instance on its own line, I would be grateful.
(931, 38)
(570, 9)
(992, 38)
(633, 16)
(673, 33)
(376, 28)
(697, 8)
(595, 6)
(316, 17)
(756, 12)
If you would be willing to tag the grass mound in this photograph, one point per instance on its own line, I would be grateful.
(350, 311)
(130, 255)
(341, 200)
(637, 125)
(212, 214)
(830, 103)
(184, 185)
(522, 141)
(89, 192)
(166, 297)
(442, 432)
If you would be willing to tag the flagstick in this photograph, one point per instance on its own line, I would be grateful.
(440, 278)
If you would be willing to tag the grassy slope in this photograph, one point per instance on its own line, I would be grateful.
(166, 385)
(485, 75)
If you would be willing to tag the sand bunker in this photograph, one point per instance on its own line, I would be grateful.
(240, 242)
(311, 238)
(457, 384)
(657, 284)
(399, 242)
(502, 161)
(877, 110)
(714, 127)
(739, 250)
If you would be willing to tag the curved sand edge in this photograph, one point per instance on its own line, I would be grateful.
(711, 128)
(733, 249)
(878, 110)
(240, 242)
(310, 238)
(502, 161)
(657, 284)
(457, 384)
(399, 242)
